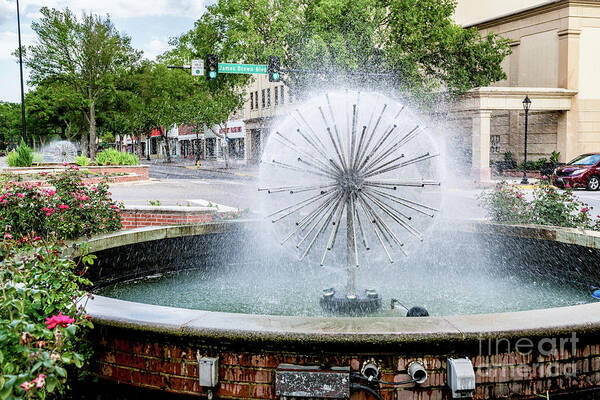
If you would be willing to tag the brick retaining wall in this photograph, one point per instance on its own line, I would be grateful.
(138, 217)
(171, 364)
(134, 172)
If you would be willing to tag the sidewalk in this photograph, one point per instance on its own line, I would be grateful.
(236, 167)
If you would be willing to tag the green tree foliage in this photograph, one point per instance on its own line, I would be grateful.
(10, 123)
(54, 109)
(84, 54)
(415, 38)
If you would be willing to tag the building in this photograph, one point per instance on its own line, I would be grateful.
(554, 61)
(264, 101)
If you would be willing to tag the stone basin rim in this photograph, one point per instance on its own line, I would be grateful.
(189, 323)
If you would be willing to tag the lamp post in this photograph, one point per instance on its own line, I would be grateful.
(197, 144)
(526, 106)
(21, 71)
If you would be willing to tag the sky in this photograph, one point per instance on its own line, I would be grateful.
(149, 23)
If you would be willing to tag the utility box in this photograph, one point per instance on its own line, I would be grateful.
(301, 381)
(461, 377)
(208, 368)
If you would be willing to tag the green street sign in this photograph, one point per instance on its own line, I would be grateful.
(225, 68)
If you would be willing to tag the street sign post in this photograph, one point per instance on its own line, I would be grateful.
(197, 67)
(226, 68)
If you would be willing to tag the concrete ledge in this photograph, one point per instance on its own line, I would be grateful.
(119, 313)
(375, 331)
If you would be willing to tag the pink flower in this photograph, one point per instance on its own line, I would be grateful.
(65, 164)
(117, 210)
(27, 385)
(63, 206)
(20, 195)
(519, 195)
(35, 239)
(43, 173)
(60, 319)
(584, 210)
(7, 236)
(51, 193)
(40, 381)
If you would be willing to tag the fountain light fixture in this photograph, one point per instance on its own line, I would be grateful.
(348, 168)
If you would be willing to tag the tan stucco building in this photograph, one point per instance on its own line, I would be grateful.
(555, 60)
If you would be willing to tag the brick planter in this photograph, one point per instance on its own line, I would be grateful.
(142, 216)
(133, 172)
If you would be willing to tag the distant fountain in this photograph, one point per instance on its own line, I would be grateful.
(358, 154)
(60, 152)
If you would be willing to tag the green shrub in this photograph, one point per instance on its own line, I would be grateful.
(68, 211)
(114, 157)
(38, 158)
(82, 161)
(22, 157)
(108, 157)
(548, 206)
(128, 159)
(41, 328)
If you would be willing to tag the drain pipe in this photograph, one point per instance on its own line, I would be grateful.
(417, 372)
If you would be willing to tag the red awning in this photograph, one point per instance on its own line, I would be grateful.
(155, 132)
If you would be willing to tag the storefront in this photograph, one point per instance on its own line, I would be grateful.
(235, 139)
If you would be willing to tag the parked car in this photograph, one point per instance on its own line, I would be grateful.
(583, 171)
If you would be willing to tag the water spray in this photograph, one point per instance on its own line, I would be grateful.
(348, 167)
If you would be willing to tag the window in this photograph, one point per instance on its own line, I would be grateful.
(251, 100)
(269, 97)
(276, 96)
(282, 95)
(256, 99)
(495, 144)
(263, 98)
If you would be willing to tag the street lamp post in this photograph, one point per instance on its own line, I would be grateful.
(526, 106)
(197, 144)
(21, 71)
(148, 147)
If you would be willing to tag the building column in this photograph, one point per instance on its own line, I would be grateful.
(567, 137)
(480, 166)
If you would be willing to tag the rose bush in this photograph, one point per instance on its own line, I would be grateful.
(41, 323)
(66, 209)
(548, 206)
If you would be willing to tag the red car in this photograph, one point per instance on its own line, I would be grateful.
(583, 171)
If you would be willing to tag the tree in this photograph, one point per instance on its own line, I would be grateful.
(10, 123)
(54, 108)
(86, 55)
(415, 39)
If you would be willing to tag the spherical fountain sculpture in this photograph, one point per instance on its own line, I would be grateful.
(62, 151)
(347, 154)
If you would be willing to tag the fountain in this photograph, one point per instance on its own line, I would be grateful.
(349, 179)
(61, 151)
(349, 154)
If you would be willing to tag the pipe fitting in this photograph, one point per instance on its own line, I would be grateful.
(370, 370)
(417, 372)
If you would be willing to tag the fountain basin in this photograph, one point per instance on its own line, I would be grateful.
(156, 347)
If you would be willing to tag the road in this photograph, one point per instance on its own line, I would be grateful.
(177, 185)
